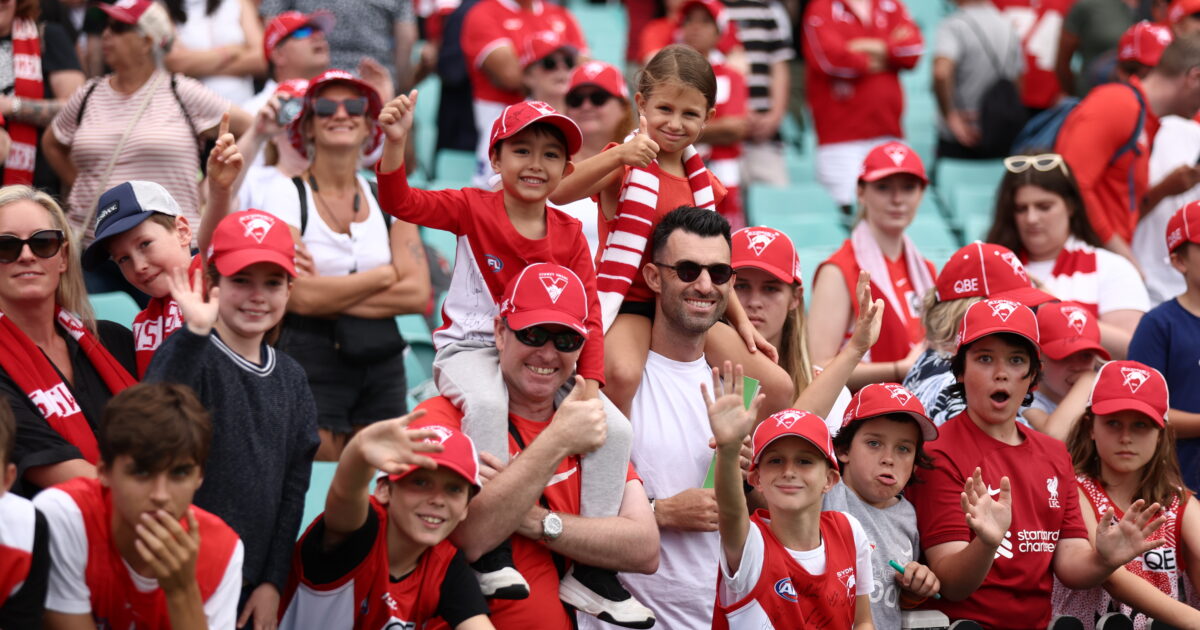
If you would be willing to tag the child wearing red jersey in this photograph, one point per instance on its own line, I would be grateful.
(24, 542)
(371, 561)
(503, 232)
(129, 550)
(791, 565)
(996, 567)
(140, 227)
(1123, 449)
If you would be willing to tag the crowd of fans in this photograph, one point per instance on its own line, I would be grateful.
(634, 417)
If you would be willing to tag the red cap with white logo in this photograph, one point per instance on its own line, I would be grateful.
(793, 423)
(715, 8)
(1067, 328)
(1181, 9)
(987, 270)
(1184, 226)
(545, 293)
(880, 399)
(767, 249)
(541, 44)
(520, 115)
(1144, 43)
(991, 317)
(891, 158)
(602, 75)
(457, 454)
(288, 22)
(149, 16)
(1130, 386)
(252, 236)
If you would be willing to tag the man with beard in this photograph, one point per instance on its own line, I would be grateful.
(690, 274)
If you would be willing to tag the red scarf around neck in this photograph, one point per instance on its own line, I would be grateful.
(29, 368)
(27, 84)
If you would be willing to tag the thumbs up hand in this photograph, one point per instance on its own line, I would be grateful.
(639, 151)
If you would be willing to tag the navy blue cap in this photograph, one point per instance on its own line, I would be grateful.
(122, 208)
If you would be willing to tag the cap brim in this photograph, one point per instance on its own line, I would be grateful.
(97, 252)
(538, 317)
(829, 457)
(567, 126)
(776, 272)
(115, 12)
(231, 263)
(1116, 405)
(929, 431)
(451, 466)
(996, 330)
(1062, 348)
(880, 173)
(1029, 296)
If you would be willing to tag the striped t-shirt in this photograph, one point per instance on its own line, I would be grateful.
(161, 147)
(766, 33)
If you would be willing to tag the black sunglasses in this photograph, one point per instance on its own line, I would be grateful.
(326, 107)
(689, 271)
(120, 28)
(597, 98)
(43, 244)
(551, 62)
(536, 337)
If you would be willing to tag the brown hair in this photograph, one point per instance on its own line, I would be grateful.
(1161, 480)
(1179, 57)
(157, 424)
(165, 220)
(8, 433)
(1055, 181)
(841, 442)
(29, 10)
(793, 345)
(683, 65)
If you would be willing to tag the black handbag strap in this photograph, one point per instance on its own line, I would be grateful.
(991, 55)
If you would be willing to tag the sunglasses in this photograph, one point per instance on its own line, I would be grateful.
(304, 32)
(43, 244)
(1044, 162)
(536, 337)
(597, 98)
(688, 271)
(120, 28)
(326, 107)
(551, 62)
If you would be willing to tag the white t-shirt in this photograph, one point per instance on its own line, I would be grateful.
(1176, 144)
(367, 246)
(587, 212)
(736, 586)
(205, 32)
(67, 591)
(1115, 286)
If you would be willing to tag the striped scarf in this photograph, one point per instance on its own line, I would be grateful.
(620, 261)
(27, 84)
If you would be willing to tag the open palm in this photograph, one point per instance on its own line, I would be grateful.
(727, 415)
(988, 517)
(199, 314)
(1122, 541)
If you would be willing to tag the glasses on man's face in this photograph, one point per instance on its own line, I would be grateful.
(551, 63)
(689, 271)
(1045, 162)
(326, 107)
(304, 32)
(43, 244)
(596, 97)
(536, 337)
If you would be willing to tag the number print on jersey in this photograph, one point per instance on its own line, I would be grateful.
(1039, 36)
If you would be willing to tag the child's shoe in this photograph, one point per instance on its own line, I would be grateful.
(599, 593)
(498, 575)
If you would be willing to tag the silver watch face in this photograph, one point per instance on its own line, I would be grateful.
(552, 526)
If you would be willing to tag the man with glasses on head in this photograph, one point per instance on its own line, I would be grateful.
(534, 501)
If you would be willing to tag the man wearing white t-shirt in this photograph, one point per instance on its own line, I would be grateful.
(670, 421)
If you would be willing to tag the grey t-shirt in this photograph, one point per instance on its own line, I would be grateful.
(978, 63)
(365, 28)
(892, 532)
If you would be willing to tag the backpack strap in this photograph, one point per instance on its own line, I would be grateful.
(374, 186)
(1131, 145)
(303, 194)
(83, 103)
(188, 117)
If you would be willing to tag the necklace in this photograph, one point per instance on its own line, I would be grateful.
(344, 229)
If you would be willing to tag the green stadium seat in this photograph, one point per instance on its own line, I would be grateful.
(318, 488)
(425, 122)
(973, 208)
(454, 166)
(116, 306)
(413, 327)
(444, 242)
(951, 174)
(605, 26)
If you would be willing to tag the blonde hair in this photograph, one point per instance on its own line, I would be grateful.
(71, 293)
(793, 345)
(942, 319)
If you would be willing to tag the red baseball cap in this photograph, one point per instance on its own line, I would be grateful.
(252, 236)
(1184, 226)
(990, 317)
(520, 115)
(295, 128)
(1181, 9)
(541, 44)
(602, 75)
(288, 22)
(879, 399)
(988, 271)
(292, 88)
(458, 454)
(1144, 43)
(714, 7)
(767, 249)
(891, 158)
(545, 293)
(793, 422)
(147, 15)
(1067, 328)
(1130, 386)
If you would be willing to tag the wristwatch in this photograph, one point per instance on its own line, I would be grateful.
(552, 526)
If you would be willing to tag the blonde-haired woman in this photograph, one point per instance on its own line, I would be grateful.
(58, 366)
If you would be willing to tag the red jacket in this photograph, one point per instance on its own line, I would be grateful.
(848, 103)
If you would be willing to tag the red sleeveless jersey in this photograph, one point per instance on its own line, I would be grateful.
(115, 600)
(17, 522)
(787, 595)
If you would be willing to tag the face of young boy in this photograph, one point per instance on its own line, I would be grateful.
(136, 491)
(1058, 375)
(880, 460)
(1186, 260)
(254, 299)
(531, 164)
(793, 475)
(996, 377)
(1126, 440)
(149, 252)
(426, 505)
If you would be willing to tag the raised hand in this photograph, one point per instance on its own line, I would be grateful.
(870, 316)
(988, 517)
(731, 422)
(1125, 540)
(199, 314)
(639, 151)
(168, 549)
(394, 448)
(225, 162)
(377, 77)
(397, 116)
(579, 423)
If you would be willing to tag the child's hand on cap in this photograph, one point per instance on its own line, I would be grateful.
(397, 116)
(394, 448)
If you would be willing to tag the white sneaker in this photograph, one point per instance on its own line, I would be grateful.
(627, 612)
(503, 583)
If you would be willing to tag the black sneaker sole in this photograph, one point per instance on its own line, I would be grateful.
(510, 592)
(608, 618)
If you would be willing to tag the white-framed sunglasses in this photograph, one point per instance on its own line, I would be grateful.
(1044, 162)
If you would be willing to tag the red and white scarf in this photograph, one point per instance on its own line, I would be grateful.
(1075, 275)
(161, 317)
(29, 368)
(620, 262)
(27, 84)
